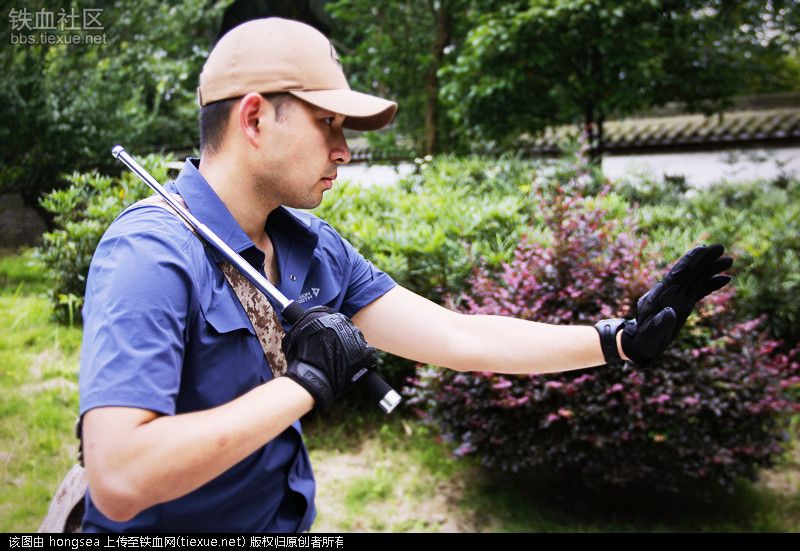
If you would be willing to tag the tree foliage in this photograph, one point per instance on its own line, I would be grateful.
(534, 63)
(467, 74)
(395, 50)
(63, 106)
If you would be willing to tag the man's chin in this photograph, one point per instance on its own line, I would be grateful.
(306, 204)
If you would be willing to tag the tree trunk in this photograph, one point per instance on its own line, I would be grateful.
(593, 110)
(598, 156)
(444, 27)
(592, 135)
(589, 134)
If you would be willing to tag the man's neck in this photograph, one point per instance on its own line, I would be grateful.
(238, 195)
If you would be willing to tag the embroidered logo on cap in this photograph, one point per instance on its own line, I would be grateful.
(334, 56)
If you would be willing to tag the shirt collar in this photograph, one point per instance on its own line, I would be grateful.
(206, 206)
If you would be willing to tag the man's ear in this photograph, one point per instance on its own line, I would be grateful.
(255, 116)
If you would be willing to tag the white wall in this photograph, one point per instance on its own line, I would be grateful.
(707, 167)
(699, 168)
(375, 174)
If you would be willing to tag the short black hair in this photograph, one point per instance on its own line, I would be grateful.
(214, 119)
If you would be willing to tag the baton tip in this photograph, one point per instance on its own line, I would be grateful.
(117, 150)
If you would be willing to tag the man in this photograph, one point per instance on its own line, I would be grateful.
(186, 426)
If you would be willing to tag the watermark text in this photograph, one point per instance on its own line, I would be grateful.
(76, 26)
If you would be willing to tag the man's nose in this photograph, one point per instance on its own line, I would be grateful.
(340, 153)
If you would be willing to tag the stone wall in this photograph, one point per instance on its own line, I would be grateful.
(19, 225)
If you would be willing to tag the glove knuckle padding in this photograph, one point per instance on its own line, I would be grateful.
(642, 343)
(330, 342)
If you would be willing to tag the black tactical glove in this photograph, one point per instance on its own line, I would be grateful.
(326, 354)
(663, 310)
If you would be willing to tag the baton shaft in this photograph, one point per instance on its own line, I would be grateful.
(261, 283)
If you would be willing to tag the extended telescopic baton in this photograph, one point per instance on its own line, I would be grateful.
(291, 311)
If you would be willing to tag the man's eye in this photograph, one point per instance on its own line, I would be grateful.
(328, 120)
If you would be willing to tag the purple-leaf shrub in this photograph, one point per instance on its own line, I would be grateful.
(712, 408)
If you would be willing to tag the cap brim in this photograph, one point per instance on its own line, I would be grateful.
(361, 111)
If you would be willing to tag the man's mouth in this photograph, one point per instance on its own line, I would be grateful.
(329, 180)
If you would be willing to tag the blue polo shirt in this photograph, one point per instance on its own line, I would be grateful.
(163, 331)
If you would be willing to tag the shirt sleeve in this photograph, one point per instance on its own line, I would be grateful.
(366, 282)
(135, 313)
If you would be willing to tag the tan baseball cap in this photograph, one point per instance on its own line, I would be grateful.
(280, 55)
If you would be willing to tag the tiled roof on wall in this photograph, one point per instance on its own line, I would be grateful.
(740, 127)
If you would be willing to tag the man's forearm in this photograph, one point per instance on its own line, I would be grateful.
(170, 456)
(508, 345)
(413, 327)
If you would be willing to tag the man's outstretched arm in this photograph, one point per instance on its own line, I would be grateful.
(408, 325)
(405, 324)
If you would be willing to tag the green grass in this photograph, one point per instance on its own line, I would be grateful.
(20, 273)
(38, 381)
(531, 504)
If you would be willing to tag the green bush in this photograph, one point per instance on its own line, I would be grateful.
(712, 408)
(63, 107)
(82, 212)
(666, 191)
(431, 229)
(428, 230)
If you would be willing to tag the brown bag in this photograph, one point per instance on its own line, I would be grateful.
(65, 513)
(66, 508)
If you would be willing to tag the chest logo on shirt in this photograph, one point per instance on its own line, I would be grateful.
(308, 295)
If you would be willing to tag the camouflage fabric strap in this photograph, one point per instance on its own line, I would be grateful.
(262, 315)
(258, 309)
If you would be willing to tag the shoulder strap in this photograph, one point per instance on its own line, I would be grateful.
(259, 310)
(262, 315)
